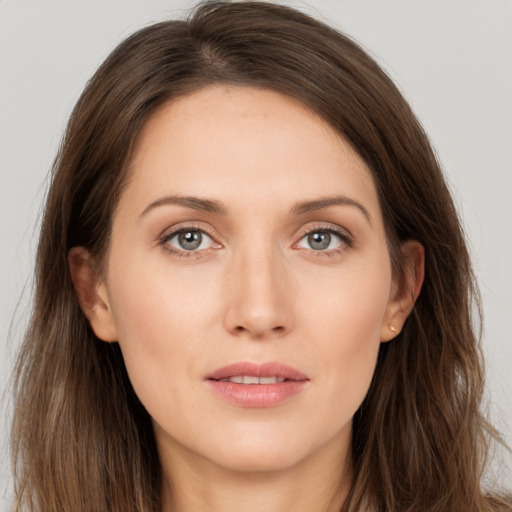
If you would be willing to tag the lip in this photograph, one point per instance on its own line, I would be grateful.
(257, 395)
(271, 369)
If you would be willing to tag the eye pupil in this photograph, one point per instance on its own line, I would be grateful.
(190, 240)
(319, 240)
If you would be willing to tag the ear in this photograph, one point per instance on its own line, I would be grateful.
(92, 294)
(404, 294)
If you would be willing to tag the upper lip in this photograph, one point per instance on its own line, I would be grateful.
(272, 369)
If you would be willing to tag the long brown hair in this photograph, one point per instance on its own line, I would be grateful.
(82, 441)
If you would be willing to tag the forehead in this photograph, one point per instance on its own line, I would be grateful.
(242, 144)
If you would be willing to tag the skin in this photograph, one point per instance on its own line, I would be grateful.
(255, 290)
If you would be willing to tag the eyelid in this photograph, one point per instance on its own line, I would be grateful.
(205, 238)
(172, 231)
(183, 226)
(343, 233)
(347, 239)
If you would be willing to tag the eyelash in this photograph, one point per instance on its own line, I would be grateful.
(164, 239)
(347, 241)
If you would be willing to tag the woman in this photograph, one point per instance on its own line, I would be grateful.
(252, 287)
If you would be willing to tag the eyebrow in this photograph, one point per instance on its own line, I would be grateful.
(194, 203)
(217, 207)
(319, 204)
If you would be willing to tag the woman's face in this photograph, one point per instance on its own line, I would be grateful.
(248, 232)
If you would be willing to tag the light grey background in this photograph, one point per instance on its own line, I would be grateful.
(452, 59)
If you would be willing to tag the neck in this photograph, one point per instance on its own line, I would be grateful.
(319, 483)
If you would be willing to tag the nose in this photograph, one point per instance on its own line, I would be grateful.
(260, 296)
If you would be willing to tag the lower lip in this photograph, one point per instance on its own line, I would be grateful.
(257, 395)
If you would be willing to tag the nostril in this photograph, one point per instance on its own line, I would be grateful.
(278, 330)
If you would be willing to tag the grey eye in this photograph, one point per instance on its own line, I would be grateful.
(319, 240)
(190, 240)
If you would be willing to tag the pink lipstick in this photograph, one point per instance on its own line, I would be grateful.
(256, 385)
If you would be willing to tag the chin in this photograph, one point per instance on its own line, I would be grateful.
(257, 460)
(260, 453)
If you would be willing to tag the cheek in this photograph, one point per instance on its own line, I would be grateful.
(349, 304)
(153, 301)
(344, 316)
(160, 316)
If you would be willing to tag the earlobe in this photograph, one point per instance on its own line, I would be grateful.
(404, 294)
(92, 294)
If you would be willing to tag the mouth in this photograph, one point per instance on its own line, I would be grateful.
(252, 373)
(250, 379)
(250, 385)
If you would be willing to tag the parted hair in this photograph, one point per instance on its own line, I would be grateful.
(81, 439)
